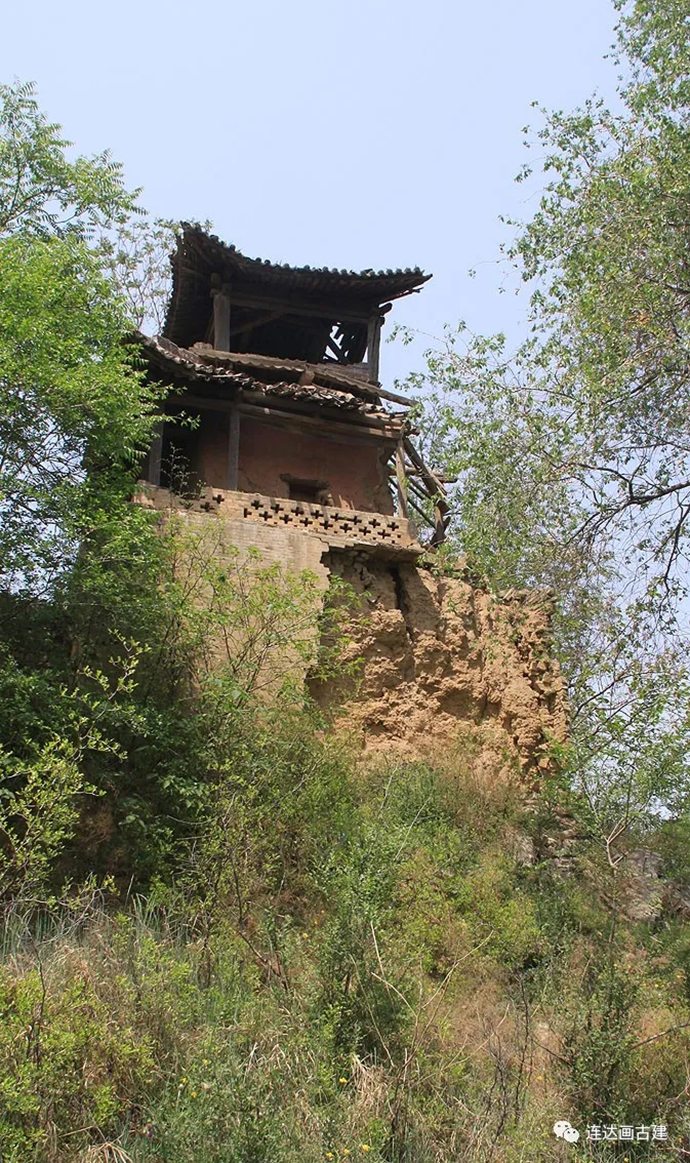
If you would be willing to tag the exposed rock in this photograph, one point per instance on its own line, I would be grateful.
(559, 840)
(519, 846)
(644, 887)
(676, 900)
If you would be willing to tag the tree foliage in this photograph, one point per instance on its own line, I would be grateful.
(589, 417)
(136, 255)
(71, 396)
(42, 192)
(573, 452)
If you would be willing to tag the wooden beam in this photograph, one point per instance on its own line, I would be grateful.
(439, 524)
(436, 491)
(257, 321)
(313, 415)
(221, 319)
(407, 401)
(233, 446)
(324, 310)
(430, 479)
(316, 413)
(421, 513)
(181, 400)
(339, 430)
(415, 489)
(319, 418)
(337, 351)
(445, 480)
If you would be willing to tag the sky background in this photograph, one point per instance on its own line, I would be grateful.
(372, 133)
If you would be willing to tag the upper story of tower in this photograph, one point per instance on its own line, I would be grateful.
(274, 397)
(234, 303)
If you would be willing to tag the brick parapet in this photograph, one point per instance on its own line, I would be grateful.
(341, 528)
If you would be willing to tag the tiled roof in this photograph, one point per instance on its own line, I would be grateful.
(265, 374)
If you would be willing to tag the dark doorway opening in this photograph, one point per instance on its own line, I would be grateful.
(311, 491)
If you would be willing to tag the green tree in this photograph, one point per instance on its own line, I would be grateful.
(75, 415)
(42, 192)
(573, 452)
(136, 254)
(71, 396)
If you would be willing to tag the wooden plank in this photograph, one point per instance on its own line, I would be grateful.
(221, 320)
(233, 446)
(400, 476)
(324, 419)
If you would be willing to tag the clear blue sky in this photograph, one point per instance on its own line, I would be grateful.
(372, 133)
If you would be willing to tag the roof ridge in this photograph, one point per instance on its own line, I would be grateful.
(369, 273)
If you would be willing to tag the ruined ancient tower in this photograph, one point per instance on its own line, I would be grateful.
(281, 365)
(300, 452)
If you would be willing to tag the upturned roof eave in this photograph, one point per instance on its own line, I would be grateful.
(199, 256)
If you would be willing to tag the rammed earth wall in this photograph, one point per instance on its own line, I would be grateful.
(441, 661)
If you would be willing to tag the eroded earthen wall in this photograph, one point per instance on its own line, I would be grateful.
(443, 663)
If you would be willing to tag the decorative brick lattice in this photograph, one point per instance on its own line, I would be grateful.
(348, 524)
(338, 526)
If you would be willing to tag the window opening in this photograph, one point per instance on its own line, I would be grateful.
(311, 491)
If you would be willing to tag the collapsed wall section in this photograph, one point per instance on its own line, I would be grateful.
(441, 659)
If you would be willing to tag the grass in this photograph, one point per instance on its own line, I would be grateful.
(405, 991)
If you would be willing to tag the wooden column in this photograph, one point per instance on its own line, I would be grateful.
(374, 346)
(153, 473)
(439, 525)
(400, 475)
(233, 446)
(221, 318)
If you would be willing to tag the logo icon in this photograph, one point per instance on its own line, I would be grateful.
(564, 1130)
